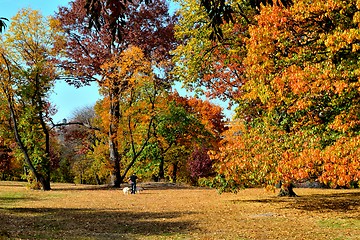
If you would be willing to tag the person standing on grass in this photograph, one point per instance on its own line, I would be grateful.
(132, 179)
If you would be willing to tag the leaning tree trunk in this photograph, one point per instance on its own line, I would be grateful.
(45, 182)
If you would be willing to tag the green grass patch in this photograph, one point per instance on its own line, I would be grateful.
(340, 223)
(8, 199)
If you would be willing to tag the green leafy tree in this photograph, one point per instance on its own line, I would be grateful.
(181, 126)
(173, 128)
(27, 77)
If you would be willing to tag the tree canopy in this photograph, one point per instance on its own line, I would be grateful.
(27, 76)
(299, 100)
(217, 12)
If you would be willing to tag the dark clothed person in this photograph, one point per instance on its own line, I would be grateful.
(133, 183)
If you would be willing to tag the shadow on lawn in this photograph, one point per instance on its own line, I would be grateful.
(53, 223)
(12, 184)
(12, 199)
(339, 202)
(144, 185)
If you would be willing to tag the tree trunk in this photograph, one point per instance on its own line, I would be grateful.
(97, 179)
(45, 182)
(113, 147)
(114, 159)
(287, 190)
(174, 173)
(161, 168)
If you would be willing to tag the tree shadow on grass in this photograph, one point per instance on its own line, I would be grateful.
(9, 198)
(13, 184)
(339, 202)
(84, 188)
(12, 199)
(54, 223)
(144, 185)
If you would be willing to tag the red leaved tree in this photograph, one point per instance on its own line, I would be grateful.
(149, 27)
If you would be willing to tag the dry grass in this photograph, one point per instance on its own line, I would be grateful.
(173, 212)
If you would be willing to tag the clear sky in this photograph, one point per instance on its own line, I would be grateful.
(66, 98)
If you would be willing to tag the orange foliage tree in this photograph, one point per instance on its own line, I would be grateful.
(137, 96)
(298, 115)
(90, 52)
(10, 167)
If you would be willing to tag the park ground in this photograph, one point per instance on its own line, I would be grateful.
(166, 211)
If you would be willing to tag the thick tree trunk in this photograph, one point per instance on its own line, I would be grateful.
(287, 190)
(45, 183)
(114, 159)
(113, 147)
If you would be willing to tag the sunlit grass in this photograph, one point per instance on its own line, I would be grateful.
(347, 223)
(164, 211)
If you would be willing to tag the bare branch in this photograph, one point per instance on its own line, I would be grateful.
(74, 123)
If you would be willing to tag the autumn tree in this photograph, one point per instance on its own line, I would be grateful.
(79, 162)
(174, 129)
(212, 118)
(10, 167)
(138, 98)
(200, 164)
(212, 68)
(300, 98)
(209, 114)
(88, 50)
(182, 125)
(27, 77)
(217, 12)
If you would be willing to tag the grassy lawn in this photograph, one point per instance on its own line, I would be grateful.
(164, 211)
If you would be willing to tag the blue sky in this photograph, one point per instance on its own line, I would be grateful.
(66, 98)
